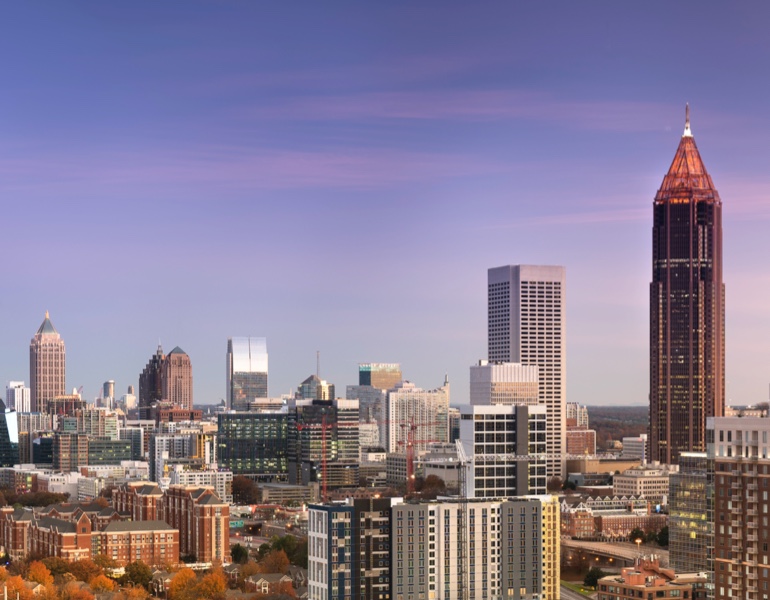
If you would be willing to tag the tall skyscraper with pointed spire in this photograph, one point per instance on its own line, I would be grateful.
(687, 307)
(46, 366)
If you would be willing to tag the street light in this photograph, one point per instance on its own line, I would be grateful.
(639, 545)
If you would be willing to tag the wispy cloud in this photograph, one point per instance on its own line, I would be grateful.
(470, 105)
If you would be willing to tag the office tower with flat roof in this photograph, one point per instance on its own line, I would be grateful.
(371, 402)
(504, 383)
(379, 375)
(497, 441)
(47, 366)
(258, 443)
(687, 307)
(246, 371)
(18, 397)
(527, 325)
(9, 437)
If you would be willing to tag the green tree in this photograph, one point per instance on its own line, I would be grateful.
(593, 576)
(636, 534)
(138, 573)
(663, 536)
(239, 554)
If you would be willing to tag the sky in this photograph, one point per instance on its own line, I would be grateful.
(338, 177)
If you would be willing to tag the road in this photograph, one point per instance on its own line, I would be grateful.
(625, 550)
(568, 594)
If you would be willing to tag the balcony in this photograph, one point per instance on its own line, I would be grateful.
(752, 512)
(737, 549)
(752, 537)
(752, 487)
(736, 485)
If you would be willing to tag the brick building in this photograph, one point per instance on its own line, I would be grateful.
(153, 542)
(203, 521)
(140, 499)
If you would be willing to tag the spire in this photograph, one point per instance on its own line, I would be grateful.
(47, 328)
(687, 176)
(687, 131)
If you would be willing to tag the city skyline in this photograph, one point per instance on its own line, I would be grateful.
(341, 179)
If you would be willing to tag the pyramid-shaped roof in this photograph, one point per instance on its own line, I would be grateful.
(687, 177)
(47, 327)
(177, 350)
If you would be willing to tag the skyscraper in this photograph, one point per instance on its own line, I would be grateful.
(177, 379)
(246, 371)
(17, 397)
(527, 316)
(379, 375)
(46, 366)
(150, 383)
(687, 307)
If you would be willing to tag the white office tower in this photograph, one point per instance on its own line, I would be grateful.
(526, 312)
(476, 550)
(504, 383)
(421, 416)
(17, 397)
(501, 446)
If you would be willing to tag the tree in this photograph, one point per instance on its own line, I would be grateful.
(56, 565)
(85, 569)
(17, 589)
(213, 585)
(239, 554)
(593, 576)
(134, 593)
(101, 583)
(245, 490)
(636, 534)
(662, 537)
(138, 573)
(275, 562)
(183, 584)
(105, 562)
(554, 484)
(39, 573)
(74, 591)
(50, 592)
(3, 574)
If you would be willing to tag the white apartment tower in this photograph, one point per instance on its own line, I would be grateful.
(427, 410)
(17, 397)
(526, 324)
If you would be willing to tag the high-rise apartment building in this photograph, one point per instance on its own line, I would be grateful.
(18, 397)
(687, 307)
(426, 410)
(379, 375)
(576, 415)
(740, 449)
(349, 549)
(504, 383)
(47, 366)
(476, 550)
(246, 371)
(527, 325)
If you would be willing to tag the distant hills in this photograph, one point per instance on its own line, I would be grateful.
(617, 422)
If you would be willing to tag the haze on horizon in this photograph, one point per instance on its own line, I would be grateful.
(340, 178)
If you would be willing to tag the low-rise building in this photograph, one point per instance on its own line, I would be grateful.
(650, 480)
(647, 579)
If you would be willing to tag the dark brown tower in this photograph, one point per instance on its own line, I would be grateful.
(687, 307)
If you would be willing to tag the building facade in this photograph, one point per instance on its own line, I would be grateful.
(203, 521)
(427, 410)
(501, 444)
(382, 376)
(687, 307)
(246, 371)
(504, 383)
(177, 379)
(691, 514)
(527, 325)
(47, 366)
(18, 397)
(257, 443)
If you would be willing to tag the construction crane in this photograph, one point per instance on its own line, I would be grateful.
(409, 443)
(324, 426)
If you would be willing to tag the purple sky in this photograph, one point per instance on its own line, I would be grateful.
(339, 177)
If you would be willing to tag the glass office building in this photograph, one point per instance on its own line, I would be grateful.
(246, 371)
